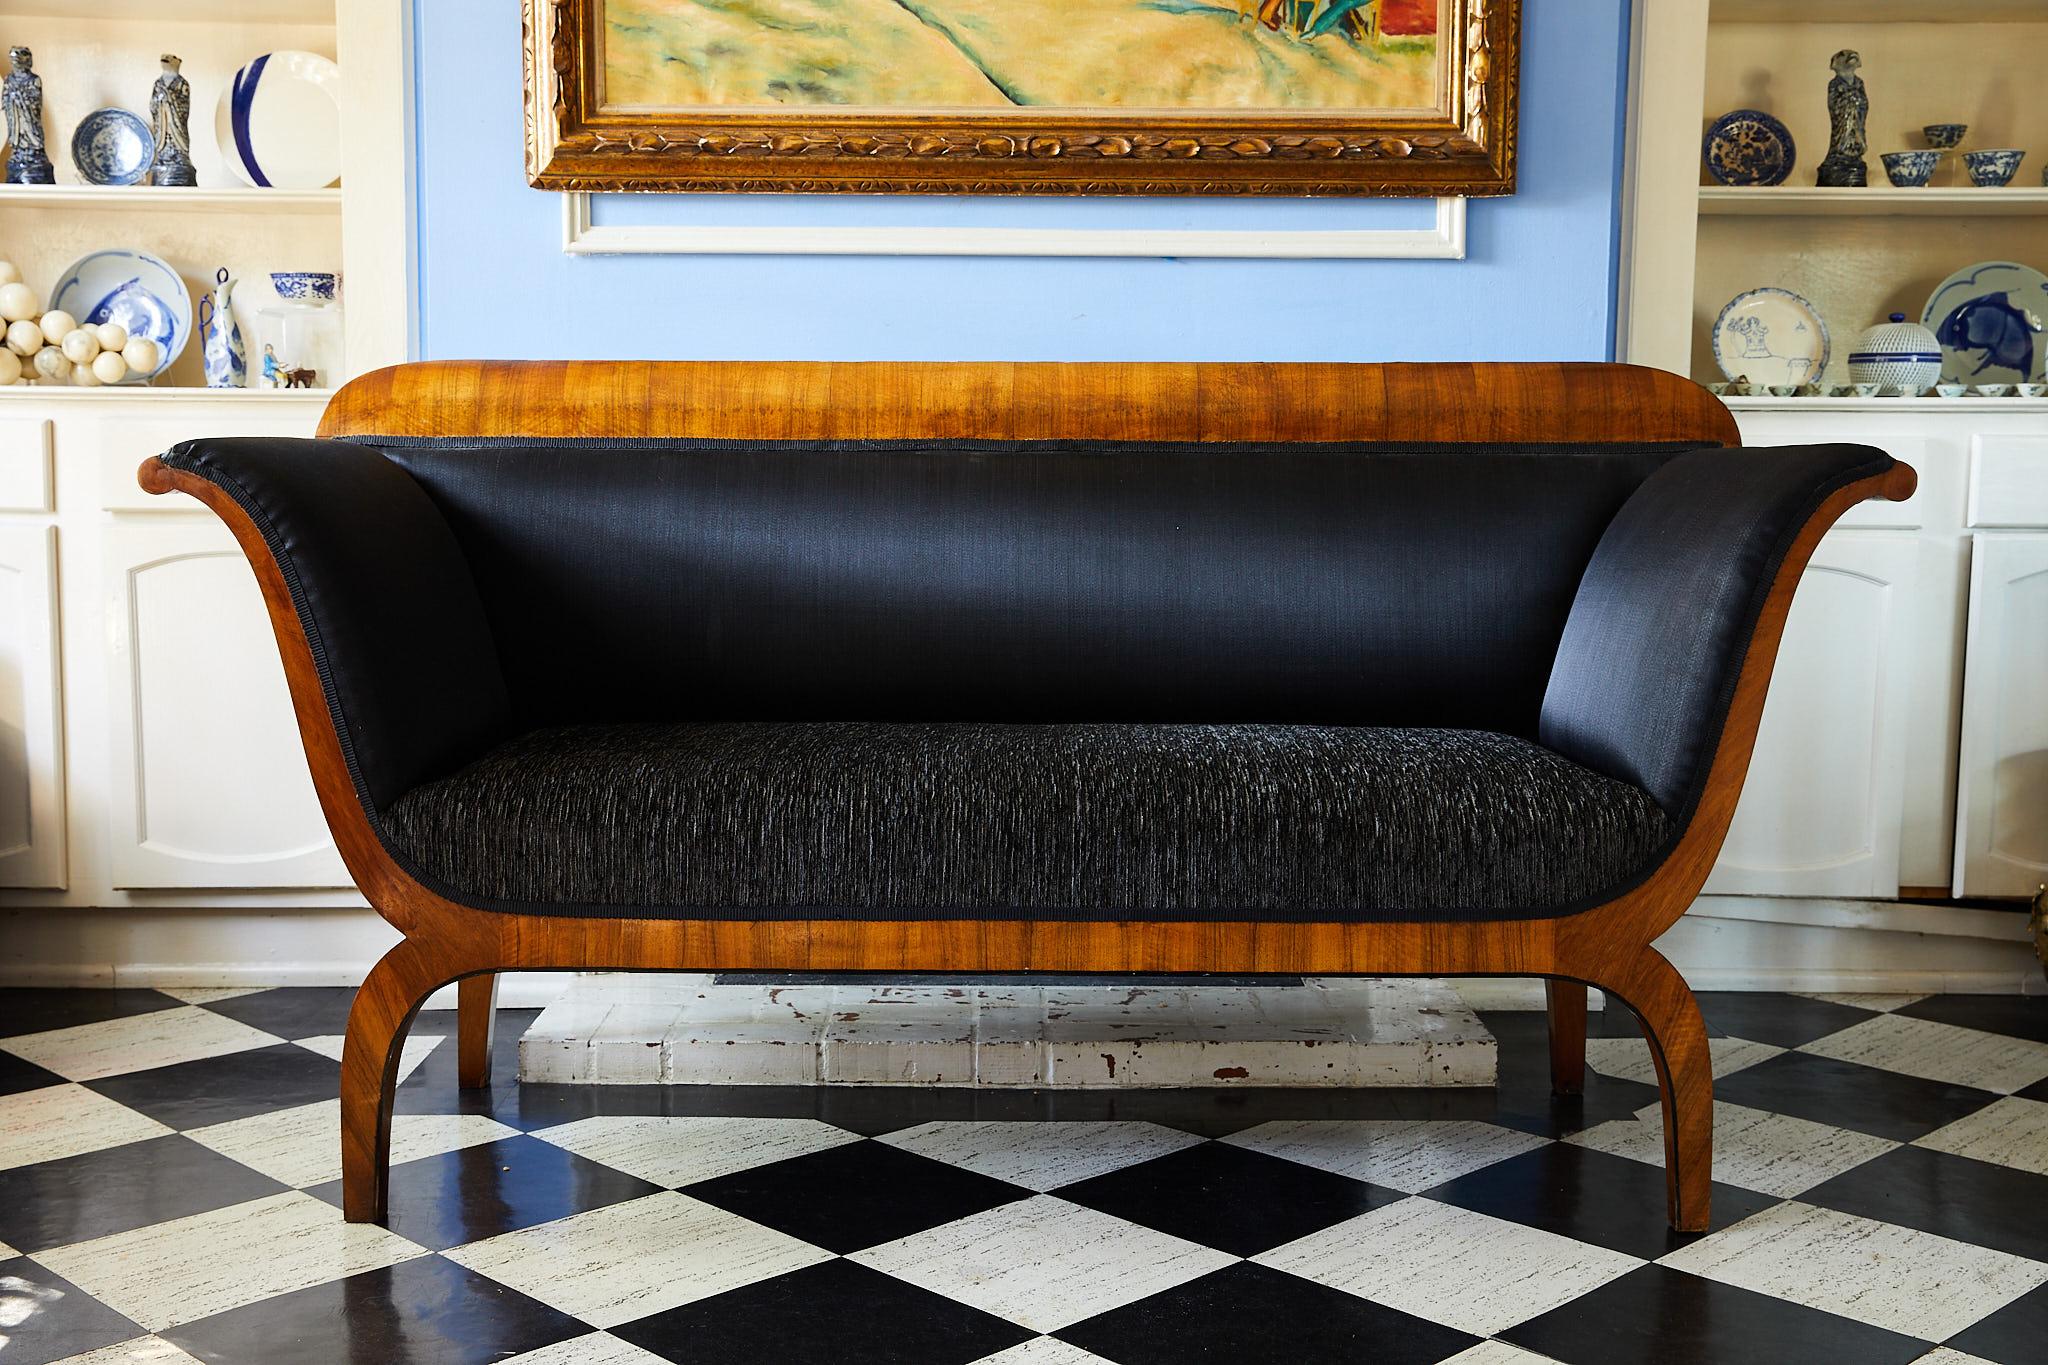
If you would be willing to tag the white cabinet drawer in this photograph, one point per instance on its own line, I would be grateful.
(2009, 480)
(25, 465)
(121, 441)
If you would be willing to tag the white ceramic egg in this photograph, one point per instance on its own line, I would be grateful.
(143, 355)
(113, 336)
(25, 337)
(10, 273)
(58, 324)
(83, 377)
(109, 367)
(80, 346)
(18, 301)
(10, 367)
(51, 366)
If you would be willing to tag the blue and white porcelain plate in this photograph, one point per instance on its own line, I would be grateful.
(1771, 336)
(135, 289)
(112, 147)
(1749, 147)
(279, 122)
(1989, 319)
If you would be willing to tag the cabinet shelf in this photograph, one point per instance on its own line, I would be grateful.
(146, 198)
(1876, 201)
(1873, 12)
(179, 12)
(145, 393)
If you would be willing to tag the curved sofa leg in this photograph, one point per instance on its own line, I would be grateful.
(1567, 1007)
(476, 1000)
(1671, 1021)
(377, 1024)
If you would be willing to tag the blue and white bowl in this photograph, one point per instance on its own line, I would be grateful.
(1944, 136)
(1910, 170)
(1993, 169)
(310, 285)
(135, 289)
(112, 147)
(1897, 352)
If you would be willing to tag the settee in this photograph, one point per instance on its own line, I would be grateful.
(1430, 670)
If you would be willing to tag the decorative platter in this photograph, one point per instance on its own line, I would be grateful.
(112, 147)
(1771, 336)
(135, 289)
(1988, 318)
(279, 122)
(1749, 147)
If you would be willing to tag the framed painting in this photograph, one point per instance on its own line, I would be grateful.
(1270, 97)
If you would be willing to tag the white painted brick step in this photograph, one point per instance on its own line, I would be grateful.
(687, 1030)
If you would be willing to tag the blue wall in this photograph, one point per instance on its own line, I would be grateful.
(1538, 282)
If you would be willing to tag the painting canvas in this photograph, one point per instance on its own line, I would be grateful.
(1136, 96)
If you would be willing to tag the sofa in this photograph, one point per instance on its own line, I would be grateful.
(1334, 669)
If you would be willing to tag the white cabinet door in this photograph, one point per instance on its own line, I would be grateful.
(209, 782)
(1820, 813)
(2002, 796)
(31, 738)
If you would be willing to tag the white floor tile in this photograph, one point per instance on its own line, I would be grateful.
(1496, 1353)
(1400, 1154)
(1893, 1277)
(191, 1268)
(141, 1351)
(2011, 1132)
(1628, 1059)
(1043, 1351)
(1041, 1156)
(1886, 1001)
(1450, 1265)
(139, 1042)
(1938, 1052)
(66, 1120)
(598, 1348)
(625, 1261)
(1942, 1355)
(416, 1049)
(206, 995)
(301, 1147)
(682, 1150)
(1771, 1153)
(1042, 1262)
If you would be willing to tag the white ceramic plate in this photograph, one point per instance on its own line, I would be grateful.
(135, 289)
(1988, 318)
(279, 122)
(1771, 336)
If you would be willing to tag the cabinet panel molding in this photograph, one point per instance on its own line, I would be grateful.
(2002, 805)
(25, 482)
(2008, 480)
(32, 831)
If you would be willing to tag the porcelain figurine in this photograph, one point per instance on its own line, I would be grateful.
(170, 114)
(22, 95)
(220, 339)
(1848, 110)
(1896, 352)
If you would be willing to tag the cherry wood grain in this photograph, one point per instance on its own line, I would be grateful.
(1565, 1002)
(476, 999)
(1608, 946)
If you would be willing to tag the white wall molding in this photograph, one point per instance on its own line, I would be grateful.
(1442, 240)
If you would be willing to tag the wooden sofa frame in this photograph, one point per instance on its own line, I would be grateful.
(1609, 946)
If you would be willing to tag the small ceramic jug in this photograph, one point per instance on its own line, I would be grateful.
(227, 364)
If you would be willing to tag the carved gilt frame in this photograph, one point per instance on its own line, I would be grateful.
(1465, 146)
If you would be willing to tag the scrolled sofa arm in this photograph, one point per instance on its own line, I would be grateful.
(390, 611)
(1665, 615)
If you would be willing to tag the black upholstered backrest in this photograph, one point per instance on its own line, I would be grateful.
(1046, 581)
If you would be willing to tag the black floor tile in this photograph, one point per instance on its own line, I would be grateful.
(833, 1313)
(2016, 1334)
(76, 1198)
(427, 1311)
(1657, 1316)
(222, 1089)
(17, 1075)
(1230, 1198)
(44, 1317)
(40, 1009)
(1882, 1103)
(292, 1011)
(1778, 1019)
(1953, 1196)
(1522, 1098)
(2037, 1091)
(1249, 1313)
(857, 1195)
(1590, 1196)
(2018, 1016)
(477, 1192)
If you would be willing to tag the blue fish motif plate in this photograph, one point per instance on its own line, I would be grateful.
(1749, 147)
(1989, 319)
(135, 289)
(112, 147)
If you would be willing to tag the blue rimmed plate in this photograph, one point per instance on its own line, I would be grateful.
(112, 147)
(1989, 318)
(135, 289)
(279, 122)
(1771, 336)
(1749, 147)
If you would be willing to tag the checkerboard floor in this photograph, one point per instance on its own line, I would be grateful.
(169, 1191)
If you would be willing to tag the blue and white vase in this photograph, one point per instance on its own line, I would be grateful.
(227, 363)
(1896, 352)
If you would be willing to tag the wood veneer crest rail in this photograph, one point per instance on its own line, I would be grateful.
(1608, 946)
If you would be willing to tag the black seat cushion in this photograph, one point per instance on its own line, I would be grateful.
(1087, 821)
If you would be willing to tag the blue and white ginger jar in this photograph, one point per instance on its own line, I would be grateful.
(1896, 352)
